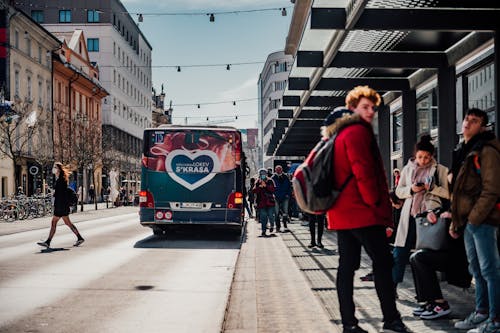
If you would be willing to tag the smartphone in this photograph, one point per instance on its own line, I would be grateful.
(420, 184)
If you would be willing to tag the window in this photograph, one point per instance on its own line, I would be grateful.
(29, 88)
(40, 102)
(65, 16)
(37, 16)
(16, 39)
(92, 16)
(16, 83)
(39, 54)
(93, 44)
(280, 67)
(427, 112)
(28, 46)
(397, 131)
(481, 88)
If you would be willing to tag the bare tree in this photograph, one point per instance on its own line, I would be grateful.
(18, 131)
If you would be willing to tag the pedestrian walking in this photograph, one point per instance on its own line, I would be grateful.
(61, 205)
(91, 193)
(316, 222)
(282, 193)
(251, 199)
(424, 187)
(476, 214)
(264, 191)
(362, 211)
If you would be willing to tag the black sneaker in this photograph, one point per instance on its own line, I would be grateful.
(44, 244)
(368, 277)
(320, 245)
(79, 242)
(438, 310)
(311, 245)
(353, 329)
(395, 326)
(422, 308)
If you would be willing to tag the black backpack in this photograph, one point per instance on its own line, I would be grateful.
(313, 179)
(72, 196)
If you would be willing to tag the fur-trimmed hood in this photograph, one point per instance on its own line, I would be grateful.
(346, 120)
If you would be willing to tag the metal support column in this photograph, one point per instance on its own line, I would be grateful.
(384, 138)
(409, 123)
(497, 77)
(447, 114)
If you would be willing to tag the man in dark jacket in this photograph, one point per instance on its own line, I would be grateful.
(282, 193)
(476, 212)
(363, 210)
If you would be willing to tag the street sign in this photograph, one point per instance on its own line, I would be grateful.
(34, 170)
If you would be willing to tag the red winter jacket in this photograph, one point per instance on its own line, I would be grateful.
(364, 201)
(264, 195)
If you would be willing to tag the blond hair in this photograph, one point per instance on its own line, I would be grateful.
(354, 96)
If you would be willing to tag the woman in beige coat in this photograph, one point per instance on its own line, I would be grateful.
(423, 186)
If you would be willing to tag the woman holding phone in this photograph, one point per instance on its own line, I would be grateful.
(422, 186)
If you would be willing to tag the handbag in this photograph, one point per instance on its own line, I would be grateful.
(432, 236)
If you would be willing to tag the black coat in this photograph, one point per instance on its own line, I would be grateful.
(456, 269)
(61, 203)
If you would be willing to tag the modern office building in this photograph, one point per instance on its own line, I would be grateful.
(122, 53)
(272, 83)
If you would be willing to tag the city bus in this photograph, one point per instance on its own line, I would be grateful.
(192, 175)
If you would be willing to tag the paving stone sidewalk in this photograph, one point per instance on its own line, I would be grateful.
(279, 283)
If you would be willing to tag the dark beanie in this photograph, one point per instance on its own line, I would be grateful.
(425, 144)
(337, 113)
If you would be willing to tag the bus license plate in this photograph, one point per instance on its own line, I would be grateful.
(191, 205)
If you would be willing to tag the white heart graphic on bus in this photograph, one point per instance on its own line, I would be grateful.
(192, 168)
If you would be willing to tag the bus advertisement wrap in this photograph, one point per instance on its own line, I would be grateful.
(192, 175)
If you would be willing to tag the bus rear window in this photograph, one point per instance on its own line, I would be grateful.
(222, 148)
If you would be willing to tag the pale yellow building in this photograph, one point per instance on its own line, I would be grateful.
(26, 153)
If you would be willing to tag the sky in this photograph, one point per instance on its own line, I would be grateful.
(184, 40)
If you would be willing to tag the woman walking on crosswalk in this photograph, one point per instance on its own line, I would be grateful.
(61, 205)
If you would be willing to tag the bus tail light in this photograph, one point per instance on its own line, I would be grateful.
(146, 199)
(235, 200)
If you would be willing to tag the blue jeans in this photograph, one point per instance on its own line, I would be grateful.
(484, 266)
(401, 255)
(281, 205)
(266, 214)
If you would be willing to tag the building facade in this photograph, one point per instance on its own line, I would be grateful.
(77, 100)
(272, 83)
(26, 80)
(123, 54)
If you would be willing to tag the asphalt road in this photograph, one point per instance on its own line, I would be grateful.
(122, 279)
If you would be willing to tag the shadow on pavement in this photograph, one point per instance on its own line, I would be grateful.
(194, 237)
(53, 249)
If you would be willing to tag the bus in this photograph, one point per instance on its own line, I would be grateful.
(192, 175)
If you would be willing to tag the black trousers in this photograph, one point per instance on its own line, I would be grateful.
(313, 221)
(375, 243)
(424, 265)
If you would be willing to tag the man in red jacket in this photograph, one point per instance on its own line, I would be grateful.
(363, 210)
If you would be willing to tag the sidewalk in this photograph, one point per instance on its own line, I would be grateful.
(279, 283)
(89, 212)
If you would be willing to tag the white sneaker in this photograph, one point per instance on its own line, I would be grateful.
(486, 327)
(472, 321)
